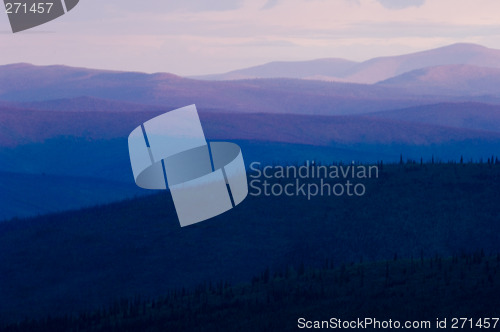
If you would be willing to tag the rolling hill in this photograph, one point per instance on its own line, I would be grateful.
(23, 83)
(289, 69)
(331, 296)
(453, 80)
(94, 144)
(27, 195)
(63, 145)
(379, 69)
(476, 116)
(73, 122)
(85, 260)
(21, 127)
(54, 152)
(88, 104)
(370, 71)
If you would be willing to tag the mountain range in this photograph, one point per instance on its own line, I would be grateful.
(74, 122)
(28, 84)
(454, 80)
(370, 71)
(64, 152)
(461, 72)
(423, 125)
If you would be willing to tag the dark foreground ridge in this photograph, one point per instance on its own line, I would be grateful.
(418, 290)
(86, 260)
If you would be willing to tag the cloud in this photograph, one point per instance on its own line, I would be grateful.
(270, 4)
(401, 4)
(203, 5)
(186, 5)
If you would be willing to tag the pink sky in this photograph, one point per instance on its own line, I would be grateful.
(192, 37)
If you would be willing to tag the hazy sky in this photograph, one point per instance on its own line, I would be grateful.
(189, 37)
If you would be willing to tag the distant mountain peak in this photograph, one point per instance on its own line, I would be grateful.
(464, 46)
(449, 79)
(370, 71)
(17, 65)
